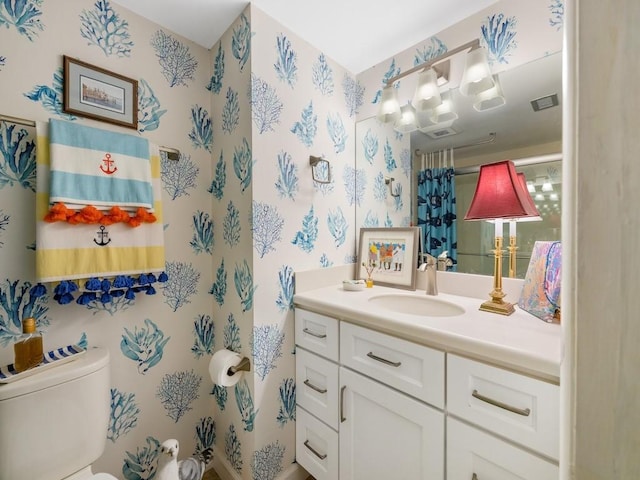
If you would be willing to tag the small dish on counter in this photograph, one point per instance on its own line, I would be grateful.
(353, 285)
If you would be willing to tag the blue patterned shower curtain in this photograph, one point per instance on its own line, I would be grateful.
(437, 211)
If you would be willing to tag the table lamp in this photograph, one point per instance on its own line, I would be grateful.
(499, 196)
(535, 217)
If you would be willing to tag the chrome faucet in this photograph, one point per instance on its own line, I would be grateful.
(430, 266)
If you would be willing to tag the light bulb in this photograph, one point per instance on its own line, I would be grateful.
(427, 95)
(389, 110)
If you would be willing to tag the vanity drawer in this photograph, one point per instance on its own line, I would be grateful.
(316, 446)
(317, 333)
(520, 408)
(317, 386)
(411, 368)
(474, 454)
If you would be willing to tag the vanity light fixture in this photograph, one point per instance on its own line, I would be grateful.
(389, 110)
(476, 78)
(427, 94)
(406, 123)
(439, 120)
(499, 196)
(444, 113)
(491, 98)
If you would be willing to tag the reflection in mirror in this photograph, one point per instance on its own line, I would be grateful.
(515, 131)
(476, 239)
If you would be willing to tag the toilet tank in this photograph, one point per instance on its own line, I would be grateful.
(54, 423)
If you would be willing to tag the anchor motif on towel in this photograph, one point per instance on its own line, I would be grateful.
(103, 235)
(108, 163)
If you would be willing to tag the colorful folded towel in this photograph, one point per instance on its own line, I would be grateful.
(94, 170)
(70, 252)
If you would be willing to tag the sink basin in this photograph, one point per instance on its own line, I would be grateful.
(423, 306)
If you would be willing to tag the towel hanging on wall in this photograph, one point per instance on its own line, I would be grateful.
(97, 176)
(71, 252)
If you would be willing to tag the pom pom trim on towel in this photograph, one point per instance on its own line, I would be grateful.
(101, 290)
(91, 215)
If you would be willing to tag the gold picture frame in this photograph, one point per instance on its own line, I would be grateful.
(93, 92)
(390, 254)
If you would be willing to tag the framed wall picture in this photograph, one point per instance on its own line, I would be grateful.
(96, 93)
(388, 256)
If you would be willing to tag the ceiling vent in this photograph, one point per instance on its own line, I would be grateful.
(545, 102)
(441, 132)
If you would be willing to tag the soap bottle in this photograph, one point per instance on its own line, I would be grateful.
(28, 348)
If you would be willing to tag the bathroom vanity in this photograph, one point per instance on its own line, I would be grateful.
(396, 384)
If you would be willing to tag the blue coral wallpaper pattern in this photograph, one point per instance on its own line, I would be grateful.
(264, 198)
(159, 344)
(242, 212)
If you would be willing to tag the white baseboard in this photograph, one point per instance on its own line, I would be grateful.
(226, 471)
(222, 467)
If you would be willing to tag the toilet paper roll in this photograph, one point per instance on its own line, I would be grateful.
(219, 366)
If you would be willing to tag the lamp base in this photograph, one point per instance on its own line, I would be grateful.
(501, 307)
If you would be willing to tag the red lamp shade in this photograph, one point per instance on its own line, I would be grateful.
(500, 194)
(533, 210)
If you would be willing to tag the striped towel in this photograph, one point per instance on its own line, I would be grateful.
(90, 166)
(71, 252)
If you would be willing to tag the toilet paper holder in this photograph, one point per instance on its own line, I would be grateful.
(243, 366)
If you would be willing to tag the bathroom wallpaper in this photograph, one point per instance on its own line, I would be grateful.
(159, 344)
(279, 101)
(241, 215)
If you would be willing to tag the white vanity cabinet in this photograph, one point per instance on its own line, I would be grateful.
(521, 413)
(385, 433)
(372, 406)
(373, 411)
(317, 394)
(473, 454)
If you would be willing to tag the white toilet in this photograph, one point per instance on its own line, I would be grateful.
(53, 424)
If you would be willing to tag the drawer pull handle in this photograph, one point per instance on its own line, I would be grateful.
(313, 387)
(525, 412)
(383, 360)
(321, 456)
(342, 417)
(314, 334)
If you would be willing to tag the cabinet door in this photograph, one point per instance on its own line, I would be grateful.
(316, 446)
(385, 434)
(317, 386)
(473, 454)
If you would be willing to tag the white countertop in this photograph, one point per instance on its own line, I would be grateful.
(520, 342)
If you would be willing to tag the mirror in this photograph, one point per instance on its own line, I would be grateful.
(531, 138)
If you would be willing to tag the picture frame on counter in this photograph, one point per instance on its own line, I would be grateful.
(96, 93)
(388, 256)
